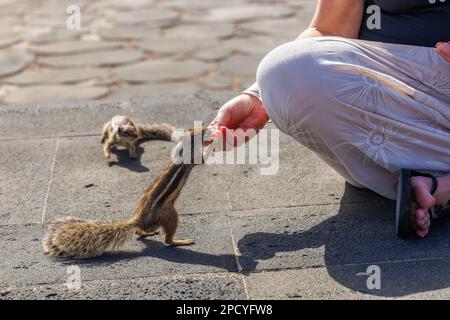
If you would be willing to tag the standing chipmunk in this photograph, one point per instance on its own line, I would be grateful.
(120, 130)
(79, 238)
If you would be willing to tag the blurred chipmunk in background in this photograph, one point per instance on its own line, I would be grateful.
(121, 131)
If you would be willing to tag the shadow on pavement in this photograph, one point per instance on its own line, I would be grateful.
(157, 249)
(352, 240)
(124, 160)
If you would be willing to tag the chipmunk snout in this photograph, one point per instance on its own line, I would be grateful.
(192, 146)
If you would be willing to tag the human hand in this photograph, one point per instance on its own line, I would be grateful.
(243, 112)
(443, 48)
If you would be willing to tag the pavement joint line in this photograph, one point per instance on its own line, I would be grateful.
(50, 180)
(30, 224)
(169, 277)
(301, 206)
(268, 270)
(236, 251)
(81, 135)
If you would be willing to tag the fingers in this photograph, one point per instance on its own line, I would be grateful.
(227, 138)
(237, 111)
(443, 48)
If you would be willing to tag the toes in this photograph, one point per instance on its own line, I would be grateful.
(423, 222)
(423, 196)
(422, 219)
(422, 233)
(420, 214)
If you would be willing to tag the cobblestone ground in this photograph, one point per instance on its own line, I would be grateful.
(138, 48)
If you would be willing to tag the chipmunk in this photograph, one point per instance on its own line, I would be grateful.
(79, 238)
(120, 130)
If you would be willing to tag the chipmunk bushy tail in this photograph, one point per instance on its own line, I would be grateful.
(161, 131)
(78, 238)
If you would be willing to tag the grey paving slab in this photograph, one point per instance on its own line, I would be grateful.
(55, 93)
(72, 118)
(149, 17)
(121, 4)
(332, 235)
(302, 179)
(25, 173)
(74, 47)
(243, 65)
(24, 263)
(55, 19)
(246, 82)
(113, 58)
(239, 13)
(8, 41)
(126, 33)
(13, 60)
(46, 34)
(422, 279)
(200, 4)
(310, 283)
(201, 32)
(258, 46)
(173, 46)
(180, 111)
(111, 189)
(161, 70)
(285, 28)
(52, 76)
(154, 90)
(201, 287)
(220, 82)
(212, 54)
(55, 6)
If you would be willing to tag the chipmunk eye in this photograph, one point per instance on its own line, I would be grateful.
(125, 133)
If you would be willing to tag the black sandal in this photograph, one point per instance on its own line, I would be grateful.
(406, 204)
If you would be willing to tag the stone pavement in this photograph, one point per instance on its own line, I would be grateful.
(302, 233)
(138, 48)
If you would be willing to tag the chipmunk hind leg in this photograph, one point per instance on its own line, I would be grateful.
(169, 223)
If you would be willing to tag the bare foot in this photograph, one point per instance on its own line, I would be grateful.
(424, 200)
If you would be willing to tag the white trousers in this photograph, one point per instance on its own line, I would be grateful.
(367, 109)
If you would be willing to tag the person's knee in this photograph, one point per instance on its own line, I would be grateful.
(288, 81)
(303, 78)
